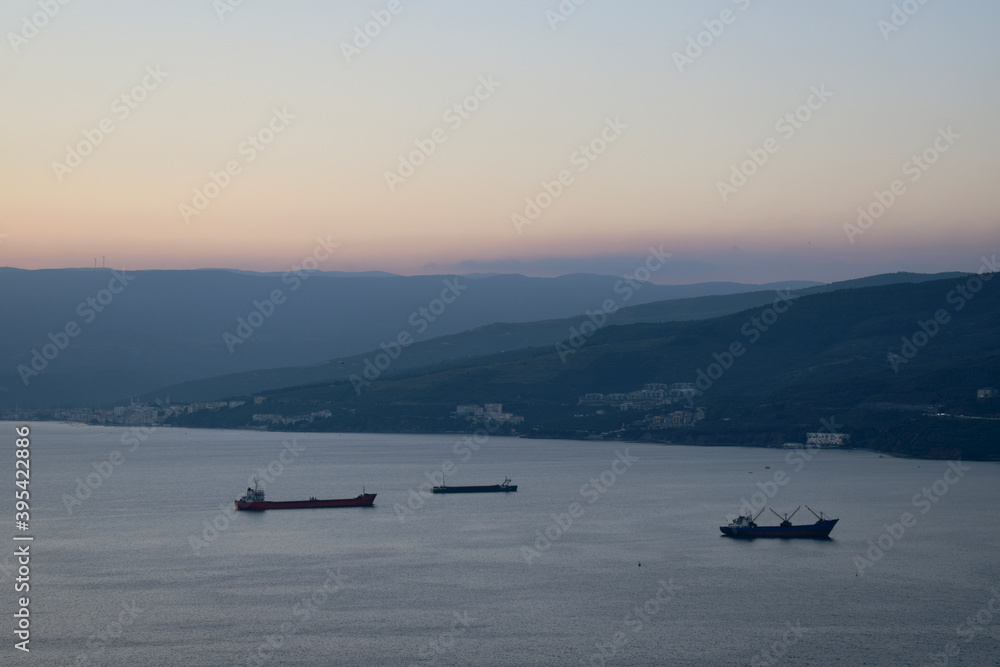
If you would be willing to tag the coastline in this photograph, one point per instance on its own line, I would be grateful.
(527, 436)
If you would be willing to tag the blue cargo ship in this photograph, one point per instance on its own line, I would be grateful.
(506, 487)
(746, 526)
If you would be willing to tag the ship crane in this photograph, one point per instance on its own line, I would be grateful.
(787, 519)
(819, 517)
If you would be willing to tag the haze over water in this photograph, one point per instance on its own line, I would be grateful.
(452, 581)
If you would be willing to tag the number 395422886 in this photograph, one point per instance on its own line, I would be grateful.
(22, 477)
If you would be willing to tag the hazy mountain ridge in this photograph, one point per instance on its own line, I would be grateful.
(494, 338)
(149, 329)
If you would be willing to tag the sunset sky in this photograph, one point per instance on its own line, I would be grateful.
(188, 87)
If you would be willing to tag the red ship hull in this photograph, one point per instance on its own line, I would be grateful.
(364, 500)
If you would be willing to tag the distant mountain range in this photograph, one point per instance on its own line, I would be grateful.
(895, 361)
(500, 337)
(84, 337)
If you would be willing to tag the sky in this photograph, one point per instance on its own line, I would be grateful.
(754, 141)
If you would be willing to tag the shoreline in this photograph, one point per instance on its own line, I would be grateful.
(516, 436)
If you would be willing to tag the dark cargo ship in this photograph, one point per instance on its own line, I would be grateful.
(506, 487)
(254, 500)
(745, 526)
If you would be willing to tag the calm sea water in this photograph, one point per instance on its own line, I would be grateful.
(137, 574)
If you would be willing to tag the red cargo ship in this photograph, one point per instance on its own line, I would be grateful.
(254, 500)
